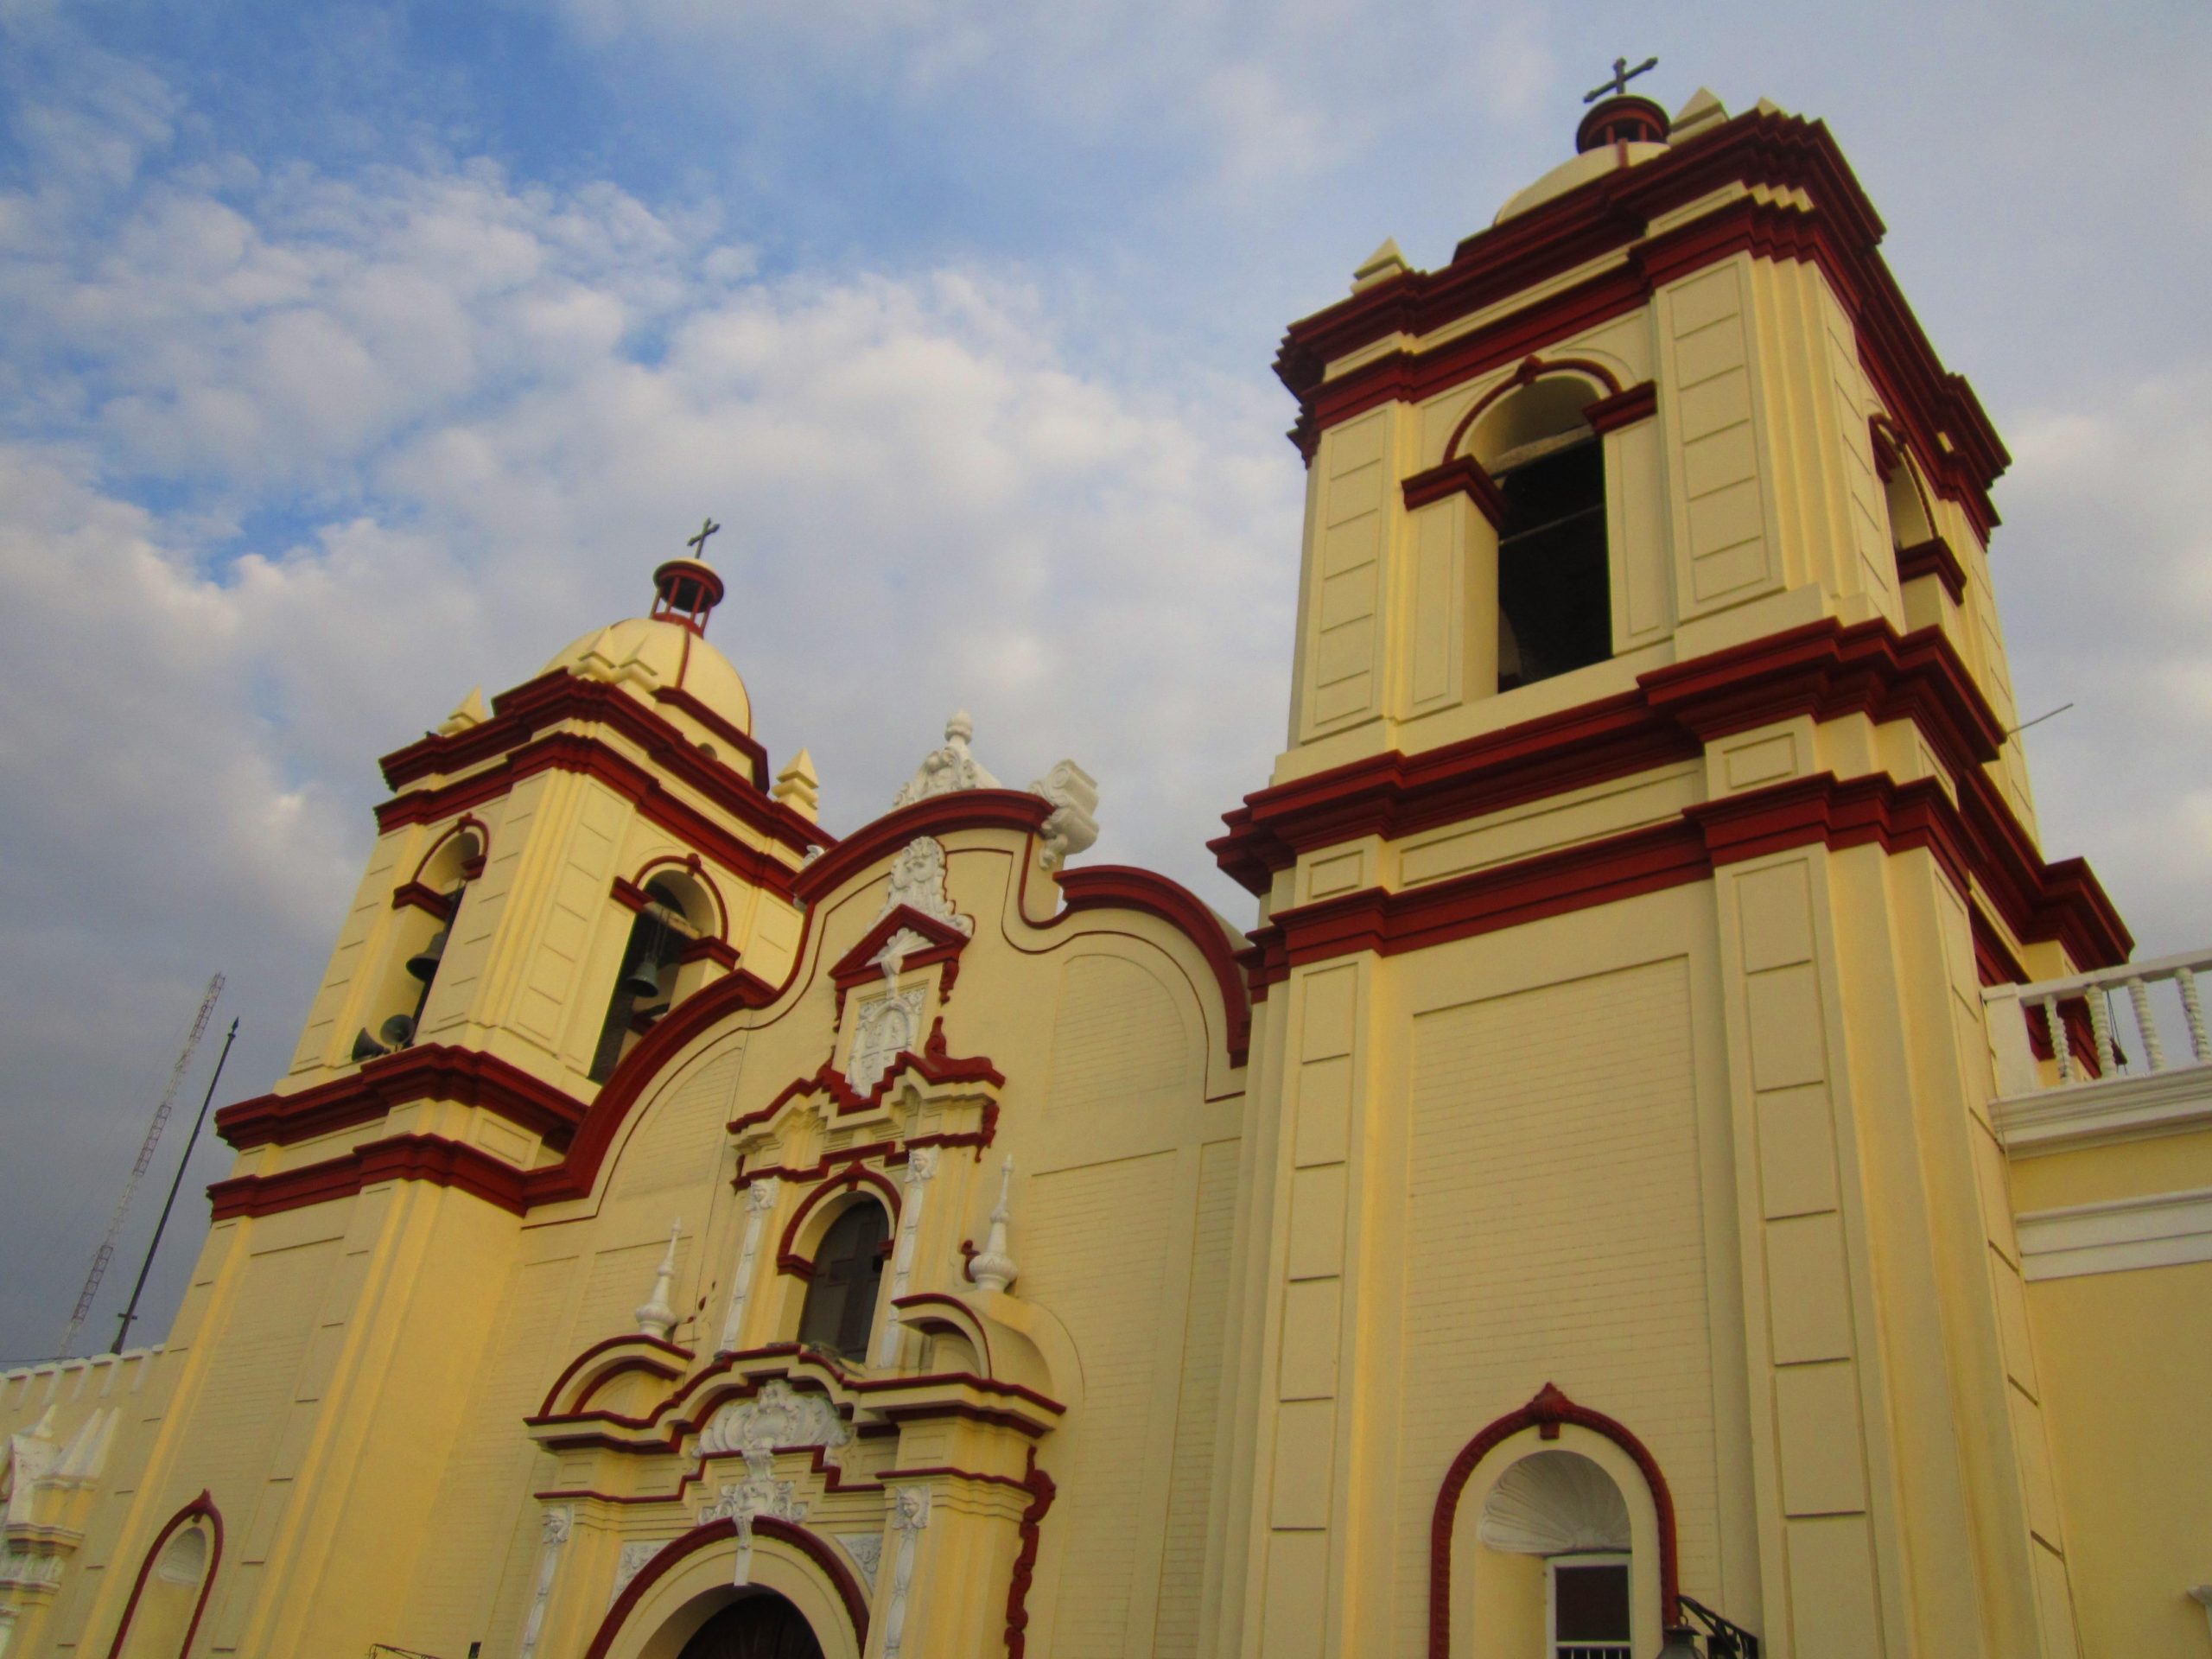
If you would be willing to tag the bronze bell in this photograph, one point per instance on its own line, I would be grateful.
(366, 1047)
(642, 983)
(423, 964)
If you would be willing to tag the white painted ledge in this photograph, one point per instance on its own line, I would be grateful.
(2166, 1230)
(2109, 1111)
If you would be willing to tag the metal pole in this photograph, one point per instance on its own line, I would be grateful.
(131, 1312)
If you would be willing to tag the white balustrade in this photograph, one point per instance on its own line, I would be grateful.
(2136, 1047)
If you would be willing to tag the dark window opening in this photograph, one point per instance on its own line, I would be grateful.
(1590, 1615)
(762, 1626)
(1554, 597)
(840, 1310)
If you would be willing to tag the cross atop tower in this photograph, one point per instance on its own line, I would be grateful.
(707, 527)
(1622, 75)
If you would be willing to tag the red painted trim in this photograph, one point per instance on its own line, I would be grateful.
(720, 952)
(939, 815)
(1546, 1413)
(654, 1345)
(932, 1066)
(675, 697)
(1933, 557)
(713, 1533)
(1624, 119)
(2062, 901)
(467, 823)
(415, 896)
(1532, 368)
(1125, 886)
(556, 697)
(1802, 812)
(1624, 407)
(788, 1258)
(1611, 214)
(1461, 475)
(202, 1505)
(856, 966)
(1041, 1492)
(430, 1071)
(397, 1158)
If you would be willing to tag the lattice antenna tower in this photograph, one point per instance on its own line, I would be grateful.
(106, 1251)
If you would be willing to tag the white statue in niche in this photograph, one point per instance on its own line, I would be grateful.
(918, 882)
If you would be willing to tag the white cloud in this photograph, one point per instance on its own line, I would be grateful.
(405, 432)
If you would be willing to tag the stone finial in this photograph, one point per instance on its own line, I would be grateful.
(1072, 828)
(655, 1317)
(947, 770)
(470, 711)
(799, 787)
(993, 1268)
(1380, 266)
(1701, 113)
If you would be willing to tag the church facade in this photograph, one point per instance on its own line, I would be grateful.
(1674, 1168)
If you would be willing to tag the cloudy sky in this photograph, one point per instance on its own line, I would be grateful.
(351, 355)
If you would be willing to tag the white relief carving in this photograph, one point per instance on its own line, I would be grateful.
(910, 1514)
(866, 1550)
(1072, 828)
(948, 769)
(655, 1317)
(918, 882)
(896, 949)
(921, 1165)
(760, 1197)
(1554, 1503)
(993, 1268)
(889, 1025)
(27, 1571)
(632, 1562)
(777, 1417)
(554, 1534)
(745, 1501)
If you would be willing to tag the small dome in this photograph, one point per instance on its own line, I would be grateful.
(1590, 164)
(648, 654)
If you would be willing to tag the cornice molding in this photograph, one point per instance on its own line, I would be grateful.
(430, 1071)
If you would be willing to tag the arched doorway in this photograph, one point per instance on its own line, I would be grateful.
(763, 1625)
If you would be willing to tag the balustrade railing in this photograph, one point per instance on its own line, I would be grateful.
(2143, 1018)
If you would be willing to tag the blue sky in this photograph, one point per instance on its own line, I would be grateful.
(351, 355)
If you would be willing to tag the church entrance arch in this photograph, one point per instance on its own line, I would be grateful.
(762, 1625)
(799, 1600)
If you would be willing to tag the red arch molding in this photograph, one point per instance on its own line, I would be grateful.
(1532, 370)
(703, 1537)
(788, 1258)
(692, 865)
(203, 1504)
(1545, 1413)
(466, 823)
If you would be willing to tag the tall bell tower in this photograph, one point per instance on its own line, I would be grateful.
(1649, 819)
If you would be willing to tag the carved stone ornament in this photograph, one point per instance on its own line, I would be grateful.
(1554, 1503)
(910, 1514)
(554, 1532)
(866, 1550)
(918, 882)
(889, 1025)
(948, 769)
(745, 1501)
(1073, 826)
(777, 1416)
(632, 1562)
(27, 1571)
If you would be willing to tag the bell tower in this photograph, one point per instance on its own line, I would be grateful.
(1649, 822)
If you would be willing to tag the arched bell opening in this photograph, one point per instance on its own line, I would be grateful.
(761, 1624)
(1554, 586)
(424, 915)
(678, 913)
(846, 1250)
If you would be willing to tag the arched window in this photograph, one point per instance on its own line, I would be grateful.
(1559, 1509)
(420, 932)
(1555, 590)
(164, 1609)
(840, 1310)
(664, 930)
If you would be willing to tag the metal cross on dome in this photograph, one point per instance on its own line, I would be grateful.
(707, 527)
(1622, 75)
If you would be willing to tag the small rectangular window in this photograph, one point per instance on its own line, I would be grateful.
(1589, 1612)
